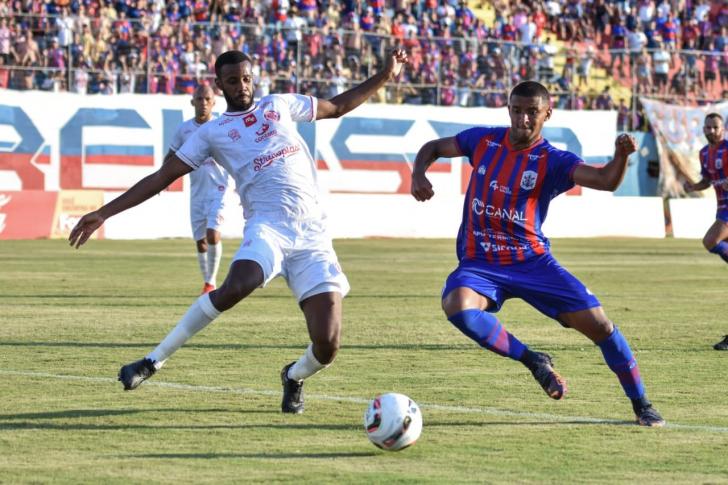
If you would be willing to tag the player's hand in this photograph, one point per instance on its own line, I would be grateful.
(421, 188)
(625, 144)
(395, 60)
(688, 186)
(85, 227)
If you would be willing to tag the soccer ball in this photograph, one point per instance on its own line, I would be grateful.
(393, 422)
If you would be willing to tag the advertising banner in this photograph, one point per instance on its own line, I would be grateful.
(364, 159)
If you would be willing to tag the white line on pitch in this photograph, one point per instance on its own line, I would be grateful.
(438, 407)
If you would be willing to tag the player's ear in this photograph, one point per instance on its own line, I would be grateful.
(548, 114)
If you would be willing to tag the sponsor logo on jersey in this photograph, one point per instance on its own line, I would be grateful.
(494, 185)
(500, 247)
(498, 213)
(477, 206)
(263, 128)
(225, 121)
(247, 243)
(528, 180)
(187, 131)
(267, 103)
(535, 157)
(250, 120)
(492, 143)
(481, 170)
(266, 136)
(234, 135)
(264, 161)
(271, 115)
(719, 162)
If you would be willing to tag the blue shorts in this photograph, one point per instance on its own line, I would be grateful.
(541, 282)
(722, 215)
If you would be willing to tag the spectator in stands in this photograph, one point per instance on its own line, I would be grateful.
(710, 67)
(618, 34)
(661, 64)
(603, 101)
(644, 72)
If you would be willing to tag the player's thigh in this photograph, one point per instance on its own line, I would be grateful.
(547, 286)
(198, 219)
(718, 231)
(471, 287)
(313, 267)
(214, 218)
(265, 245)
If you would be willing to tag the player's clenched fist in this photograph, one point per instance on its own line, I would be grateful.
(85, 227)
(626, 144)
(396, 59)
(421, 187)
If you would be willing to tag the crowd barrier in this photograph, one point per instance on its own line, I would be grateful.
(55, 143)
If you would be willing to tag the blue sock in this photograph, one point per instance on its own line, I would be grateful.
(721, 249)
(619, 358)
(487, 331)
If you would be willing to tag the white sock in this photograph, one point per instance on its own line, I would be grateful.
(199, 315)
(306, 366)
(214, 253)
(202, 258)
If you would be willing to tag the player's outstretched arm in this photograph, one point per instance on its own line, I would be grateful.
(432, 150)
(150, 185)
(348, 100)
(689, 186)
(610, 176)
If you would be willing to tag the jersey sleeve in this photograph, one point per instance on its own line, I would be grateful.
(468, 140)
(177, 139)
(564, 164)
(301, 107)
(195, 150)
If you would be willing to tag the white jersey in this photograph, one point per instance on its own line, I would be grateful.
(262, 150)
(211, 181)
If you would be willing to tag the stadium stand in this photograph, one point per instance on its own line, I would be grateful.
(592, 55)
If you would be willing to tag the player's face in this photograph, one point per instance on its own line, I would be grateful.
(527, 118)
(203, 101)
(236, 83)
(713, 129)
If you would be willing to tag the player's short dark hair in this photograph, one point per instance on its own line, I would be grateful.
(231, 57)
(716, 116)
(531, 89)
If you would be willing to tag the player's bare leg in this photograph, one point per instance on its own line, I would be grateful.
(244, 277)
(595, 325)
(715, 239)
(323, 318)
(468, 311)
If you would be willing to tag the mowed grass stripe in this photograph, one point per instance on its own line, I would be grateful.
(438, 407)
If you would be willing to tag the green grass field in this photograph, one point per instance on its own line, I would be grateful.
(69, 319)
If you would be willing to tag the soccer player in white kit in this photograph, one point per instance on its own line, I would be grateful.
(208, 190)
(285, 232)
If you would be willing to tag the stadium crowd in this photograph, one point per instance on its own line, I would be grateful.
(670, 48)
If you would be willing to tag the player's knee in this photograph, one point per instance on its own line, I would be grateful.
(326, 348)
(708, 243)
(229, 295)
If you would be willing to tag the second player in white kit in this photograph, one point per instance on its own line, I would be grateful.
(209, 192)
(285, 232)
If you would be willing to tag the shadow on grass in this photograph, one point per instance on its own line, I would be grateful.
(532, 423)
(434, 347)
(94, 413)
(270, 456)
(121, 427)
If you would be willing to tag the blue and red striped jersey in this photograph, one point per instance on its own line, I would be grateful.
(509, 194)
(714, 167)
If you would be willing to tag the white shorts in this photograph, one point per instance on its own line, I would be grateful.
(206, 214)
(301, 252)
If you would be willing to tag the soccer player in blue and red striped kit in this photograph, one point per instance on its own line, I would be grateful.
(714, 171)
(503, 253)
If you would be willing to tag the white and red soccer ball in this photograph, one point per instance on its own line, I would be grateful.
(393, 422)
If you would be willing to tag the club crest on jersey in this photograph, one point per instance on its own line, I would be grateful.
(528, 180)
(271, 115)
(234, 135)
(719, 161)
(250, 120)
